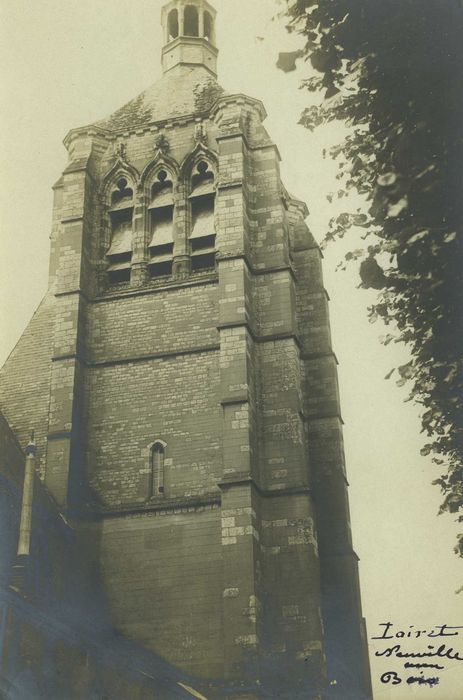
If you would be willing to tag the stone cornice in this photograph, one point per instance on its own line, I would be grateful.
(88, 130)
(238, 99)
(161, 505)
(141, 291)
(111, 135)
(132, 359)
(244, 479)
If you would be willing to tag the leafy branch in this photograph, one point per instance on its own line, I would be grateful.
(392, 72)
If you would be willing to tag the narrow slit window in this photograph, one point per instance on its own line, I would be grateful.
(157, 470)
(191, 21)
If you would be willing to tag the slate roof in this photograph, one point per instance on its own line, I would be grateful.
(182, 91)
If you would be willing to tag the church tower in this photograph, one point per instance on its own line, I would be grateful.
(180, 379)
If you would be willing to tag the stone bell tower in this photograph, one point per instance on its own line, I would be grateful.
(185, 395)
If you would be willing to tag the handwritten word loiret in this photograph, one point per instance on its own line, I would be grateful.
(432, 656)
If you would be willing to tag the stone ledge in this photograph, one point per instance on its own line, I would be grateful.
(309, 356)
(154, 356)
(170, 286)
(241, 479)
(72, 219)
(261, 338)
(323, 416)
(256, 270)
(231, 401)
(137, 358)
(181, 504)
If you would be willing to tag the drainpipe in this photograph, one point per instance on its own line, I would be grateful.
(28, 495)
(19, 577)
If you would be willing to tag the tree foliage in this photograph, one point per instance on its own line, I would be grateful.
(393, 71)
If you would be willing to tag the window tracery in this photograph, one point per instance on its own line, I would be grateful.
(161, 230)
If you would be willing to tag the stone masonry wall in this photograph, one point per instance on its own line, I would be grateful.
(131, 405)
(181, 319)
(161, 571)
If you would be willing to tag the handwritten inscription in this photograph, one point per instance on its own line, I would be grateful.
(407, 653)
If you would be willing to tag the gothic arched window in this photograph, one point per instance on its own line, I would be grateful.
(119, 254)
(161, 210)
(172, 25)
(191, 26)
(202, 204)
(157, 455)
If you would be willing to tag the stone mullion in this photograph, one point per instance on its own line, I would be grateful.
(200, 22)
(181, 226)
(140, 242)
(104, 242)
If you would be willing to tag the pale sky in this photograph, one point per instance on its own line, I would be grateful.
(68, 63)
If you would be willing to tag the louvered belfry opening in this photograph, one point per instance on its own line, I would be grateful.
(161, 211)
(202, 232)
(119, 254)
